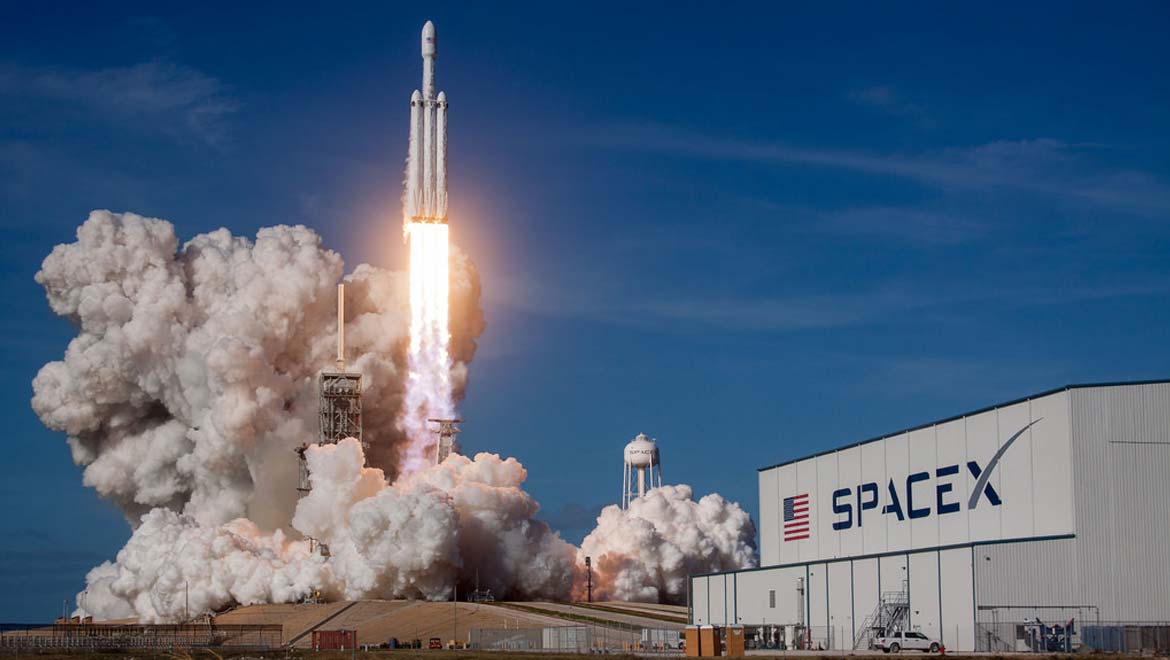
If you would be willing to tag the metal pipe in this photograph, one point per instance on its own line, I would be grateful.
(341, 327)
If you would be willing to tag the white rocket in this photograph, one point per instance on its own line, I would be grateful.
(426, 164)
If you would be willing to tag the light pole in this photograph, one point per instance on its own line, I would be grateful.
(589, 578)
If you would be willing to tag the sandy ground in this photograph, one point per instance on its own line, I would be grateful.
(671, 610)
(659, 612)
(294, 619)
(377, 621)
(630, 619)
(617, 626)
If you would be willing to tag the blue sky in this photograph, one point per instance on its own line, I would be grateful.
(751, 231)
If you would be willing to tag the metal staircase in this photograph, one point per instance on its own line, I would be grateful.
(892, 613)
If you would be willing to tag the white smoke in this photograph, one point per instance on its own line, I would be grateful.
(413, 539)
(191, 381)
(645, 553)
(193, 375)
(172, 565)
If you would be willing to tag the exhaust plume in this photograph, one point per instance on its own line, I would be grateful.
(191, 381)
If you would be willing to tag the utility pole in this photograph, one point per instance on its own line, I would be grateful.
(455, 619)
(589, 578)
(186, 602)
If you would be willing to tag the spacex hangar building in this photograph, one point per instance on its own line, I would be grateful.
(975, 530)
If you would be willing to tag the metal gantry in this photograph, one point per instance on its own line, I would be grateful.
(341, 408)
(446, 441)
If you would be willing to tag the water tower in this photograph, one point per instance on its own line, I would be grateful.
(643, 469)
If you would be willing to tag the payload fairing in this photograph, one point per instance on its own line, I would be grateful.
(426, 166)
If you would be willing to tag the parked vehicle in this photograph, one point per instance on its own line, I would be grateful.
(896, 642)
(435, 643)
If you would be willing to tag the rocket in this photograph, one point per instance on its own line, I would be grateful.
(426, 162)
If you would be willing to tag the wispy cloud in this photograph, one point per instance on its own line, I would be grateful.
(1040, 166)
(886, 99)
(926, 227)
(731, 312)
(614, 304)
(904, 376)
(158, 95)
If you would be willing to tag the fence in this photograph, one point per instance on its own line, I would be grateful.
(99, 636)
(616, 638)
(1033, 636)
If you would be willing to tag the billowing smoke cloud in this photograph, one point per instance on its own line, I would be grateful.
(193, 375)
(645, 553)
(192, 380)
(413, 539)
(173, 565)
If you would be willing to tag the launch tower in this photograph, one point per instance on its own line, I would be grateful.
(340, 401)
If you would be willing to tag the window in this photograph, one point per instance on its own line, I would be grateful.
(772, 598)
(916, 635)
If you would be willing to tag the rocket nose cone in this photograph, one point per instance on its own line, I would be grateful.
(428, 39)
(442, 97)
(416, 96)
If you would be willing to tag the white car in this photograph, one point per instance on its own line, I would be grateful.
(896, 642)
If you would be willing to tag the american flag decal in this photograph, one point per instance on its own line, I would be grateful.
(796, 523)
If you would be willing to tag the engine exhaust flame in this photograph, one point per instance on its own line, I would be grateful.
(428, 385)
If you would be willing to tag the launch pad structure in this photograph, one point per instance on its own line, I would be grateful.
(340, 401)
(341, 407)
(446, 441)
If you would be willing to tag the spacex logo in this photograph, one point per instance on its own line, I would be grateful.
(914, 498)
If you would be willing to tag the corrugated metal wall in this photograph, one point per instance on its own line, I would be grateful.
(838, 596)
(1031, 573)
(1121, 459)
(1118, 561)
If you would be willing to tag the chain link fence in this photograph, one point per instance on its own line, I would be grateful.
(616, 638)
(102, 637)
(1104, 636)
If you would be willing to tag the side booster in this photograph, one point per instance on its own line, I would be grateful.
(915, 498)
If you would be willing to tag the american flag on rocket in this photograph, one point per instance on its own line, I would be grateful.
(796, 521)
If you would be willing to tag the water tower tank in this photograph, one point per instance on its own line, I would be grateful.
(641, 452)
(642, 469)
